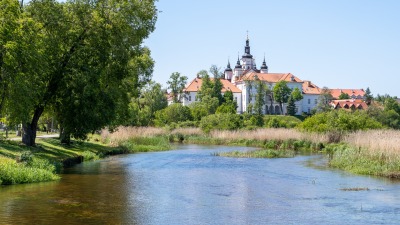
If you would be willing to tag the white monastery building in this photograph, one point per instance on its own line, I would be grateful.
(242, 79)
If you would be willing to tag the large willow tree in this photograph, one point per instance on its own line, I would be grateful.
(83, 59)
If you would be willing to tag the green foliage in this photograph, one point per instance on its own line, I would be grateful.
(389, 118)
(368, 96)
(142, 110)
(360, 161)
(276, 121)
(339, 120)
(146, 144)
(296, 94)
(176, 84)
(81, 59)
(221, 122)
(281, 93)
(228, 105)
(174, 113)
(323, 100)
(344, 96)
(36, 170)
(207, 106)
(226, 108)
(260, 99)
(263, 153)
(291, 108)
(198, 110)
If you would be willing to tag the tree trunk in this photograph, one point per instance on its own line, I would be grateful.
(29, 135)
(65, 136)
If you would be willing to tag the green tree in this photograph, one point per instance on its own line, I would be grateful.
(142, 110)
(281, 93)
(206, 88)
(344, 96)
(176, 84)
(296, 94)
(174, 113)
(291, 108)
(89, 59)
(323, 100)
(221, 121)
(260, 98)
(368, 96)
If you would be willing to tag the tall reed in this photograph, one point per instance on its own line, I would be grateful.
(384, 143)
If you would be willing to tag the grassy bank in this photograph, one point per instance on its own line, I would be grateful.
(375, 152)
(367, 152)
(21, 164)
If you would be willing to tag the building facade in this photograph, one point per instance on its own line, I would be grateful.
(242, 80)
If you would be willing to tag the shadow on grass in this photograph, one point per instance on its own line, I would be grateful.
(51, 149)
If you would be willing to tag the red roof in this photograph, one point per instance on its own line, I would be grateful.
(349, 104)
(270, 77)
(195, 86)
(357, 93)
(310, 88)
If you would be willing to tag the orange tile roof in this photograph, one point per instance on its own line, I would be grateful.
(349, 103)
(271, 77)
(310, 88)
(357, 92)
(195, 86)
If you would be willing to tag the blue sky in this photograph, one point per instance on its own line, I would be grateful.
(333, 43)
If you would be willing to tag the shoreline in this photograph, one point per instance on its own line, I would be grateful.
(50, 156)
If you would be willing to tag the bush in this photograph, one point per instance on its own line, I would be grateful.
(221, 122)
(339, 121)
(277, 121)
(39, 170)
(174, 113)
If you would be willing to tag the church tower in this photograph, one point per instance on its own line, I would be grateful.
(264, 67)
(228, 72)
(237, 71)
(247, 59)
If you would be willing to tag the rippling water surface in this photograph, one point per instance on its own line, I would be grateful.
(191, 186)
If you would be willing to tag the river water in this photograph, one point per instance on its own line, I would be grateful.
(191, 186)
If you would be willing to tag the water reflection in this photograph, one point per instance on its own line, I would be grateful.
(190, 186)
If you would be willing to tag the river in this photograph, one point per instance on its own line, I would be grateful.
(189, 185)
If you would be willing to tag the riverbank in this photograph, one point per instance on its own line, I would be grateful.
(365, 152)
(22, 164)
(373, 152)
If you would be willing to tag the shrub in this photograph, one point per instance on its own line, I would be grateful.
(220, 122)
(339, 120)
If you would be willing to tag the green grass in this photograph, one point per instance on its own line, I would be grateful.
(359, 162)
(262, 153)
(12, 172)
(146, 144)
(22, 164)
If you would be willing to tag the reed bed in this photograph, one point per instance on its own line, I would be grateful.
(188, 131)
(268, 134)
(374, 142)
(126, 133)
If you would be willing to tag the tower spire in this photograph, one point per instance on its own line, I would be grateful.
(238, 62)
(247, 48)
(264, 67)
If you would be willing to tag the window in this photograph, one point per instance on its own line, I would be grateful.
(190, 98)
(309, 101)
(309, 111)
(315, 101)
(235, 99)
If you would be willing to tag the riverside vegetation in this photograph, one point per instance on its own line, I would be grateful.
(373, 152)
(22, 164)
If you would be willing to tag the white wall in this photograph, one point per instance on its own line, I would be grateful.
(309, 102)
